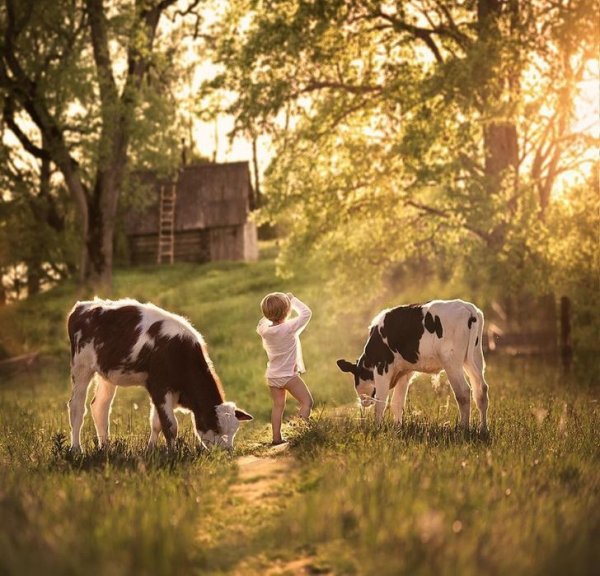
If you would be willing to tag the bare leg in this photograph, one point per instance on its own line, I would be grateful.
(100, 408)
(80, 376)
(278, 397)
(298, 389)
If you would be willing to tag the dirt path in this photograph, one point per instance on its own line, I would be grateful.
(263, 483)
(261, 478)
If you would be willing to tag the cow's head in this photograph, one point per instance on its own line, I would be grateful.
(229, 418)
(364, 380)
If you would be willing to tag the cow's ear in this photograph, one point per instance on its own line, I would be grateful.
(346, 366)
(242, 416)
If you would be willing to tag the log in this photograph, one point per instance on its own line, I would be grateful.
(18, 363)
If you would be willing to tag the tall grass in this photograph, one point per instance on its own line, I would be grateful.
(429, 499)
(423, 499)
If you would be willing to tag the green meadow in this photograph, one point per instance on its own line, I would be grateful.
(344, 498)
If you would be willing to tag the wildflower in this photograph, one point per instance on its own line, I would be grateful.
(539, 414)
(431, 527)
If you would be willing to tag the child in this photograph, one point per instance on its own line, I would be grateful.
(281, 340)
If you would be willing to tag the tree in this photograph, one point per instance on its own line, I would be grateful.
(36, 223)
(413, 129)
(573, 222)
(59, 71)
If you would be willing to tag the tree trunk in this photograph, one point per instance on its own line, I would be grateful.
(97, 273)
(117, 113)
(102, 216)
(501, 152)
(499, 137)
(255, 200)
(34, 280)
(2, 290)
(42, 211)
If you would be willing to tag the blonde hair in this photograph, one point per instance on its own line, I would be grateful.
(275, 306)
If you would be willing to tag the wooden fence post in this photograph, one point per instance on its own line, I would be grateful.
(566, 348)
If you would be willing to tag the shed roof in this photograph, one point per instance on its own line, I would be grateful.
(208, 196)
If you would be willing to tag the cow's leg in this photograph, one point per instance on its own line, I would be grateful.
(382, 388)
(155, 426)
(100, 408)
(165, 407)
(480, 392)
(399, 397)
(459, 384)
(81, 375)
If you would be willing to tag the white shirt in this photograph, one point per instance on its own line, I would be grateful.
(282, 342)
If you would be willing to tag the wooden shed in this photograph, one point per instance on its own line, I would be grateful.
(200, 216)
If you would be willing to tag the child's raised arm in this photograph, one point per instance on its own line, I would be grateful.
(304, 313)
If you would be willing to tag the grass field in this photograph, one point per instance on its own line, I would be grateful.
(345, 498)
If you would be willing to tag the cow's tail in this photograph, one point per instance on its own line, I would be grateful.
(71, 328)
(474, 355)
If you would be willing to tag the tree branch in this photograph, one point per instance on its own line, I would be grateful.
(8, 115)
(314, 85)
(99, 33)
(423, 34)
(445, 214)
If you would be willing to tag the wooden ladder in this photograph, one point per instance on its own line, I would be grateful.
(166, 223)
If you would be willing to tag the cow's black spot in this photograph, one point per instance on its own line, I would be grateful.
(358, 370)
(439, 330)
(403, 328)
(476, 340)
(154, 329)
(471, 320)
(377, 353)
(363, 373)
(434, 325)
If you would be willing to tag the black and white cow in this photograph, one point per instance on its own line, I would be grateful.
(439, 335)
(125, 343)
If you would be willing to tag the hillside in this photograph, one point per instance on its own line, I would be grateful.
(220, 299)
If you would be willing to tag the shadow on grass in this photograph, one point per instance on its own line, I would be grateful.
(347, 432)
(132, 456)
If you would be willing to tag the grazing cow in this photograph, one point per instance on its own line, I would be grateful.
(126, 343)
(439, 335)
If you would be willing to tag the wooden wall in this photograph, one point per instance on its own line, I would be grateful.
(221, 243)
(190, 246)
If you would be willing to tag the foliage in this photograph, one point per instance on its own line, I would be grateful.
(410, 130)
(37, 235)
(87, 87)
(574, 222)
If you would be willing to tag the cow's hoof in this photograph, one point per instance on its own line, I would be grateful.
(74, 452)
